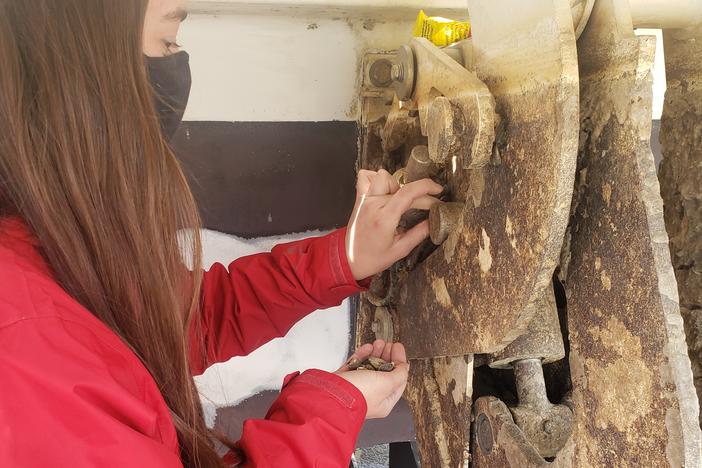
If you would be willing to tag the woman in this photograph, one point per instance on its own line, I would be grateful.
(101, 326)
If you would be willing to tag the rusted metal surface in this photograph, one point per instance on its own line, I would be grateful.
(680, 176)
(440, 389)
(399, 125)
(439, 394)
(473, 291)
(633, 399)
(411, 218)
(542, 340)
(446, 130)
(497, 441)
(456, 110)
(382, 324)
(545, 425)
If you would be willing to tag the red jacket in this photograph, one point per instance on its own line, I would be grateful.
(73, 395)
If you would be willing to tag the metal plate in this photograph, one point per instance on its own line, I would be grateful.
(440, 393)
(471, 295)
(681, 179)
(633, 398)
(498, 442)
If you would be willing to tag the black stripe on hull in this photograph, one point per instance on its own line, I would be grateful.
(255, 179)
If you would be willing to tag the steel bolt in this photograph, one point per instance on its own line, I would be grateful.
(397, 72)
(443, 220)
(484, 433)
(419, 165)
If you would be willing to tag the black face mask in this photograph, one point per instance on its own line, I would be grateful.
(171, 80)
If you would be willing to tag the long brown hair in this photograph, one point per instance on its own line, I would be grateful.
(84, 164)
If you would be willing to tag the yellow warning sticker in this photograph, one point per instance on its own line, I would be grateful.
(440, 31)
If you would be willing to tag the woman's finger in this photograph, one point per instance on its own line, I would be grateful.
(387, 352)
(361, 354)
(378, 347)
(425, 202)
(406, 241)
(383, 184)
(403, 199)
(363, 181)
(376, 201)
(399, 355)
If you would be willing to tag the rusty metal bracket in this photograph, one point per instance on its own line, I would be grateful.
(508, 190)
(545, 425)
(542, 340)
(497, 441)
(499, 233)
(456, 109)
(632, 384)
(680, 175)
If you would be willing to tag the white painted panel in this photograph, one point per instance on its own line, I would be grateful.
(392, 10)
(659, 81)
(276, 68)
(318, 341)
(269, 69)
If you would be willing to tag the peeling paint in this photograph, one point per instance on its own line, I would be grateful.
(477, 186)
(439, 393)
(452, 241)
(606, 193)
(509, 229)
(440, 438)
(441, 293)
(448, 377)
(614, 382)
(606, 280)
(484, 255)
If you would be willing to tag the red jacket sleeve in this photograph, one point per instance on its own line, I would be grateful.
(314, 423)
(68, 399)
(260, 297)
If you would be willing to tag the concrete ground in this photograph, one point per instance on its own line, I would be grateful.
(376, 456)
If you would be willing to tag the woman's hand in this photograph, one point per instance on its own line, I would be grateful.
(372, 240)
(380, 389)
